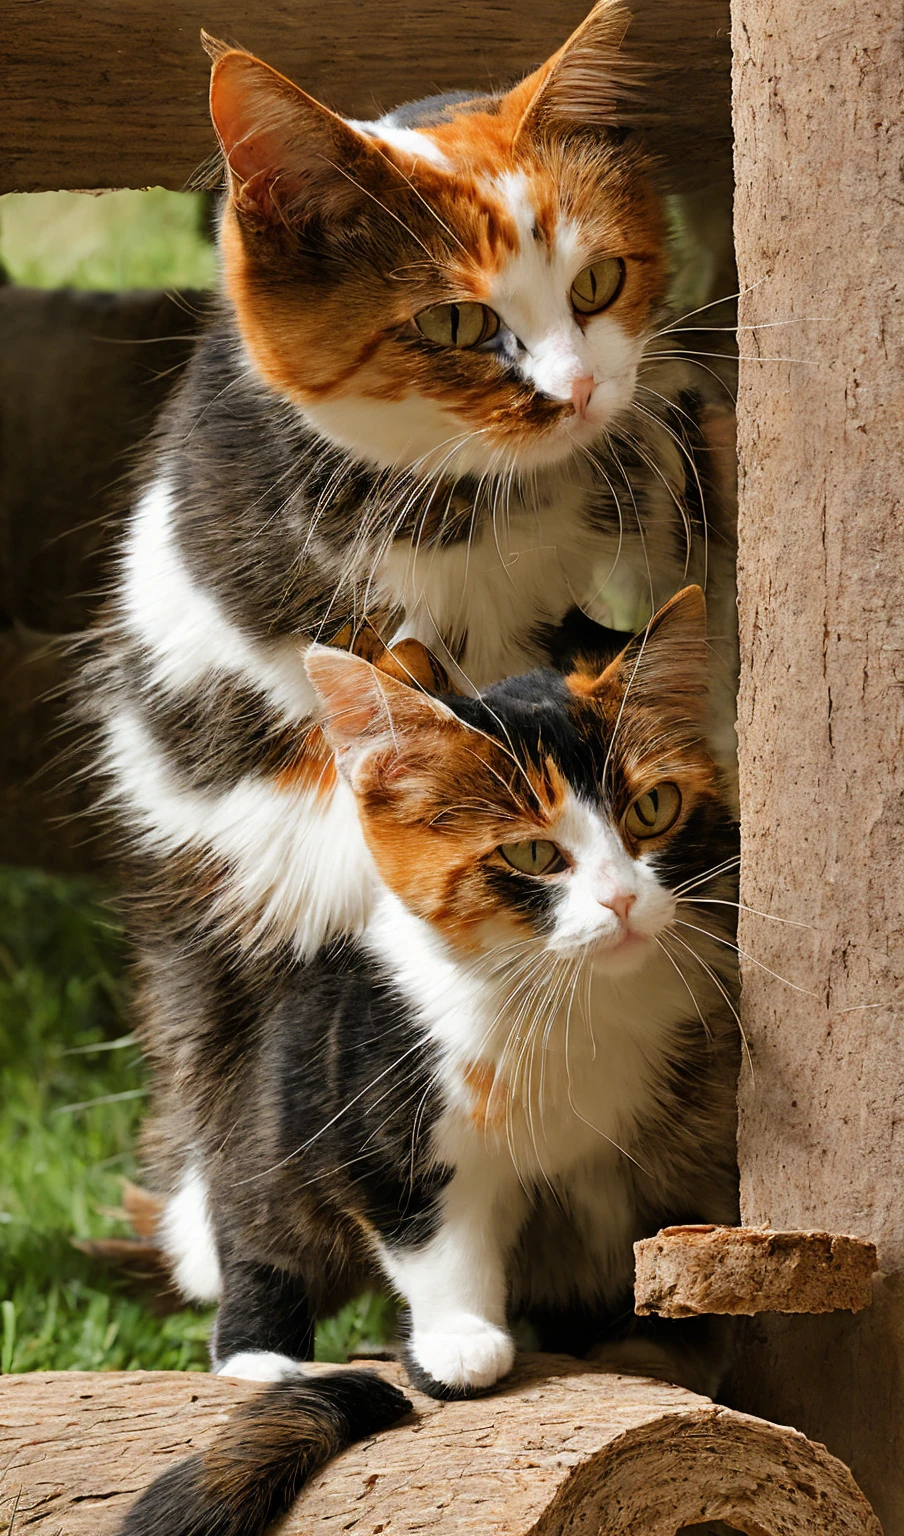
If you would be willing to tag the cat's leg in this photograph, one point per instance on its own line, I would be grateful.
(456, 1288)
(692, 1353)
(264, 1326)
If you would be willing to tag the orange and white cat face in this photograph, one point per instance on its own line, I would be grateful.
(554, 812)
(470, 293)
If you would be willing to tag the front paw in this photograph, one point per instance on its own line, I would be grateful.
(259, 1365)
(461, 1357)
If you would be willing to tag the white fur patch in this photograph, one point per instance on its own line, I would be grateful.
(187, 1238)
(259, 1365)
(578, 1054)
(410, 141)
(299, 863)
(455, 1284)
(526, 564)
(185, 632)
(603, 872)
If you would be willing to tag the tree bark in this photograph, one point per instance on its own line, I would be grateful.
(559, 1448)
(819, 127)
(699, 1270)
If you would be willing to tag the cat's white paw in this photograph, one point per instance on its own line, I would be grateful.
(259, 1365)
(466, 1352)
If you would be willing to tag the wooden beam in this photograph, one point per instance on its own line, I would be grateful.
(82, 376)
(101, 95)
(562, 1446)
(819, 122)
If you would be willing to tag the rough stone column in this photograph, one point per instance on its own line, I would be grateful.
(819, 131)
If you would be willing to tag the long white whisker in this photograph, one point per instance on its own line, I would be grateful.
(752, 958)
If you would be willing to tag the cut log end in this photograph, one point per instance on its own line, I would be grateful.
(560, 1446)
(692, 1271)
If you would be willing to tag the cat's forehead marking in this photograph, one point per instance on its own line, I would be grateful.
(409, 141)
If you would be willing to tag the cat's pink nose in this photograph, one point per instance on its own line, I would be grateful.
(621, 904)
(581, 391)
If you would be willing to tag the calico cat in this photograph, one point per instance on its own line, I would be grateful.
(517, 1068)
(438, 392)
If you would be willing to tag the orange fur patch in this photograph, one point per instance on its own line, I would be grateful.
(489, 1092)
(313, 768)
(322, 320)
(436, 811)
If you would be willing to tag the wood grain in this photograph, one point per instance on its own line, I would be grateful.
(819, 122)
(696, 1271)
(101, 95)
(562, 1448)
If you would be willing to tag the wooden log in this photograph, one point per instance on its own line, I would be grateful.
(819, 121)
(560, 1448)
(100, 95)
(695, 1271)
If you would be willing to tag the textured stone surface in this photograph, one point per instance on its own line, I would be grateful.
(559, 1449)
(691, 1271)
(819, 126)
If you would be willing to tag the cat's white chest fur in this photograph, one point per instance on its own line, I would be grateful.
(541, 1069)
(542, 1085)
(525, 564)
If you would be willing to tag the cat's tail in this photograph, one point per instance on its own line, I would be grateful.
(270, 1446)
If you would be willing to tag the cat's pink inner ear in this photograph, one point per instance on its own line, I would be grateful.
(362, 704)
(585, 81)
(255, 114)
(280, 144)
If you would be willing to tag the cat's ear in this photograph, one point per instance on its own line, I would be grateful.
(284, 150)
(665, 666)
(408, 661)
(586, 82)
(369, 707)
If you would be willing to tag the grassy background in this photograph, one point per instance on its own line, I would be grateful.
(71, 1082)
(118, 240)
(71, 1095)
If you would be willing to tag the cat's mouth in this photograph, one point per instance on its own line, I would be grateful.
(620, 953)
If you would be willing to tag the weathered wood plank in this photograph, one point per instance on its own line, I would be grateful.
(101, 95)
(819, 98)
(561, 1447)
(82, 376)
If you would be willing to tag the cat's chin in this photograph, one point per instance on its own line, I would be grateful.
(418, 435)
(627, 956)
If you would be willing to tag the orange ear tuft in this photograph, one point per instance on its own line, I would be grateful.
(214, 47)
(584, 83)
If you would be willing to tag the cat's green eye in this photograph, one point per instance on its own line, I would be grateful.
(653, 813)
(536, 857)
(457, 325)
(597, 286)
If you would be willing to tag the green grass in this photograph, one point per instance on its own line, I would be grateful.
(72, 1089)
(71, 1096)
(117, 240)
